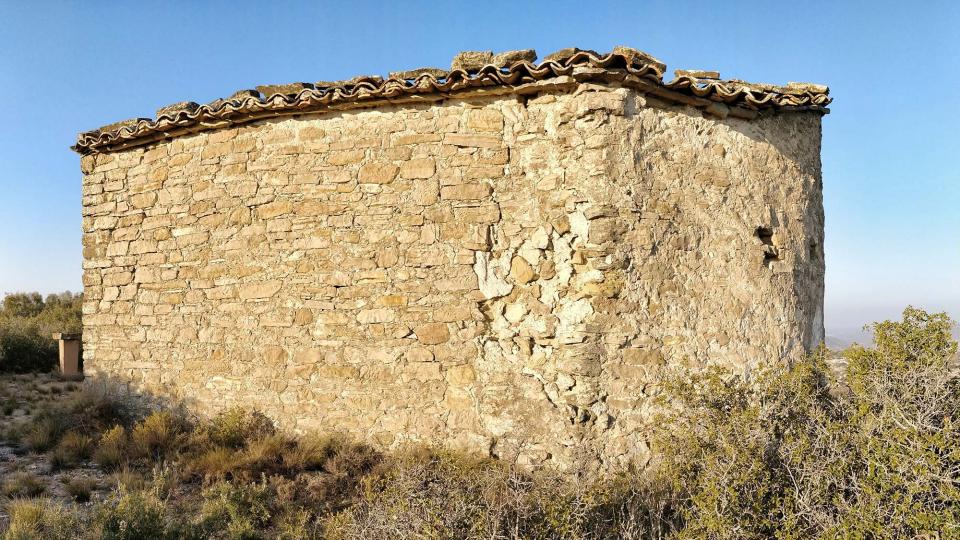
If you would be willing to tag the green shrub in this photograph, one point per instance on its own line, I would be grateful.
(787, 453)
(132, 515)
(26, 324)
(158, 435)
(71, 450)
(23, 348)
(240, 511)
(79, 488)
(235, 427)
(113, 447)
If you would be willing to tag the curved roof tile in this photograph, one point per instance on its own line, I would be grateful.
(472, 70)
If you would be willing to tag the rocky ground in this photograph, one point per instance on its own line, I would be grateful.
(24, 472)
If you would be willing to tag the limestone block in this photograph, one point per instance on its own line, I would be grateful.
(378, 173)
(418, 168)
(255, 291)
(471, 191)
(485, 120)
(521, 271)
(432, 333)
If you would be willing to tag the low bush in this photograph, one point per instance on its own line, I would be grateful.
(112, 449)
(42, 519)
(157, 436)
(80, 487)
(133, 515)
(238, 511)
(71, 450)
(786, 452)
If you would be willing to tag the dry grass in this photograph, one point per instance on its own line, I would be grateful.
(80, 487)
(32, 519)
(112, 449)
(71, 450)
(158, 435)
(24, 484)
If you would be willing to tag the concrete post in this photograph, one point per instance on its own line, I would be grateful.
(69, 354)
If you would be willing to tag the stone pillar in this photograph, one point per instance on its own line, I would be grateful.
(69, 354)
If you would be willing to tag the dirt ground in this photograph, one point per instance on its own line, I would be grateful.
(21, 398)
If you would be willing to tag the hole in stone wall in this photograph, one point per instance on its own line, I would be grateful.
(770, 253)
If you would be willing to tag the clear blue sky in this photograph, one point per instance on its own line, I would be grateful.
(890, 146)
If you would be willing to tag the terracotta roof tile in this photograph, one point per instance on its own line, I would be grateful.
(471, 70)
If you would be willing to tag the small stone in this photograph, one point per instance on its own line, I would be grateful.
(461, 375)
(514, 312)
(802, 87)
(485, 120)
(303, 316)
(471, 140)
(275, 356)
(418, 354)
(521, 271)
(244, 94)
(473, 191)
(642, 357)
(639, 57)
(508, 58)
(565, 54)
(471, 60)
(274, 209)
(696, 74)
(548, 270)
(373, 316)
(270, 90)
(173, 109)
(436, 73)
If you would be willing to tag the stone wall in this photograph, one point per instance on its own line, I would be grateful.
(498, 273)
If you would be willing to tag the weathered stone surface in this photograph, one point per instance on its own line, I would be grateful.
(432, 334)
(640, 57)
(269, 90)
(174, 108)
(508, 58)
(482, 272)
(260, 290)
(378, 173)
(414, 73)
(564, 54)
(521, 271)
(696, 73)
(418, 168)
(471, 60)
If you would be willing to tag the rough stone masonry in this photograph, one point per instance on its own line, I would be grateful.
(500, 257)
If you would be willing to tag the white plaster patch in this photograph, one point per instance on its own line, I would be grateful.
(491, 274)
(579, 225)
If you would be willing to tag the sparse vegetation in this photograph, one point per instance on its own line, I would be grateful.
(42, 519)
(24, 484)
(781, 452)
(80, 487)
